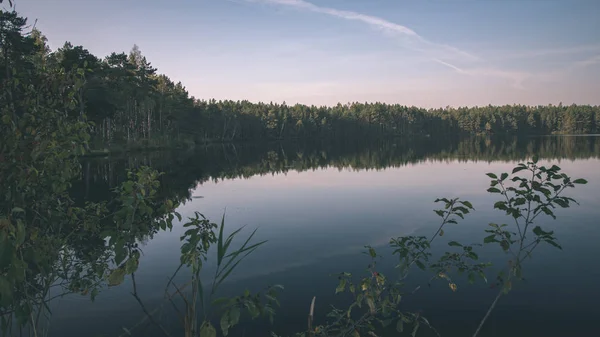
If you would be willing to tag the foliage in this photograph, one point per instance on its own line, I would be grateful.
(131, 106)
(54, 103)
(38, 142)
(524, 199)
(376, 302)
(50, 245)
(202, 312)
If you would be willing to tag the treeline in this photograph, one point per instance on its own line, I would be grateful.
(49, 244)
(129, 102)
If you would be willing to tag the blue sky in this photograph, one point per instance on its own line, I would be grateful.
(425, 53)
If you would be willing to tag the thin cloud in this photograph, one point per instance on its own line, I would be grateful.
(415, 41)
(371, 20)
(504, 54)
(448, 65)
(559, 74)
(585, 63)
(516, 77)
(442, 53)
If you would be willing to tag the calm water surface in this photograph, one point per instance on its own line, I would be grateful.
(318, 205)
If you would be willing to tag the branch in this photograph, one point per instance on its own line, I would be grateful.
(509, 203)
(150, 317)
(487, 314)
(444, 221)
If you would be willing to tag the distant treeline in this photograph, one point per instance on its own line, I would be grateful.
(130, 103)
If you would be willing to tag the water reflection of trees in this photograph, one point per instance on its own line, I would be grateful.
(184, 170)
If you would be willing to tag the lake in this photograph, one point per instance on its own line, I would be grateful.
(319, 203)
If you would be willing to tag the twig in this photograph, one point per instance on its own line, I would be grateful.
(33, 323)
(487, 314)
(444, 221)
(509, 203)
(146, 317)
(177, 290)
(137, 298)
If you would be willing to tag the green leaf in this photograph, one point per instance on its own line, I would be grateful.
(461, 209)
(341, 287)
(519, 202)
(386, 322)
(228, 271)
(415, 329)
(471, 278)
(561, 203)
(482, 275)
(371, 304)
(94, 293)
(490, 239)
(468, 204)
(116, 277)
(120, 252)
(372, 252)
(21, 233)
(220, 252)
(518, 168)
(400, 326)
(580, 181)
(207, 330)
(553, 243)
(224, 272)
(131, 265)
(234, 316)
(493, 190)
(225, 325)
(441, 232)
(18, 210)
(503, 176)
(252, 309)
(420, 264)
(537, 230)
(454, 244)
(549, 212)
(500, 204)
(491, 175)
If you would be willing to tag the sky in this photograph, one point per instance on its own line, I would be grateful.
(424, 53)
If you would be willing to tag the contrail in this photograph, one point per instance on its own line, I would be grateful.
(436, 52)
(378, 23)
(448, 65)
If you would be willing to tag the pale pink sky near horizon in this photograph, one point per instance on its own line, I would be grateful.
(429, 54)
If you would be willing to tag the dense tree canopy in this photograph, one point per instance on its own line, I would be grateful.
(129, 102)
(49, 244)
(54, 103)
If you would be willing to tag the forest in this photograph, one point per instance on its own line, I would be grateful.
(57, 240)
(130, 104)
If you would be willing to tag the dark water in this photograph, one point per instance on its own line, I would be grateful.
(319, 204)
